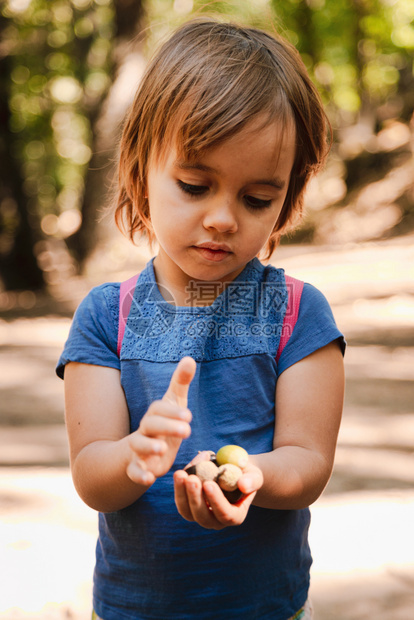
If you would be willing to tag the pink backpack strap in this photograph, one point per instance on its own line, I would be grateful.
(126, 295)
(294, 290)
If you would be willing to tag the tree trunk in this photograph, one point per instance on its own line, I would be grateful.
(105, 122)
(18, 226)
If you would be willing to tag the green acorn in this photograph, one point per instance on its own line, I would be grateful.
(232, 454)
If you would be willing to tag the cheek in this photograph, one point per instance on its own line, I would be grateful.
(274, 216)
(171, 221)
(264, 224)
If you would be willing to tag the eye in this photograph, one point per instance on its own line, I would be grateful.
(256, 203)
(192, 190)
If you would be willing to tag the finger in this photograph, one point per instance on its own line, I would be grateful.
(158, 425)
(180, 381)
(226, 514)
(180, 495)
(144, 446)
(168, 409)
(200, 509)
(250, 481)
(138, 473)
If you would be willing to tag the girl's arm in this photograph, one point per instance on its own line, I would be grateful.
(111, 467)
(309, 400)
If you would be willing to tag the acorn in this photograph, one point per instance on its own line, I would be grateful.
(225, 468)
(205, 470)
(228, 476)
(232, 454)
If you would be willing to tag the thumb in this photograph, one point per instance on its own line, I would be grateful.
(180, 381)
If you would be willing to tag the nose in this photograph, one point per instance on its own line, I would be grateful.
(221, 217)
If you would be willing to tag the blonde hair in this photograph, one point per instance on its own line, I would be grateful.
(207, 82)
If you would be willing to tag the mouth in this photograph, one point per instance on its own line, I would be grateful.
(213, 251)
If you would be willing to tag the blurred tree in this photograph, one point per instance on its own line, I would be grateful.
(360, 52)
(61, 65)
(18, 227)
(57, 56)
(127, 23)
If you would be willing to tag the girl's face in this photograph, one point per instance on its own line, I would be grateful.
(213, 215)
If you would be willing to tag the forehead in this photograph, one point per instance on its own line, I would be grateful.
(260, 137)
(259, 141)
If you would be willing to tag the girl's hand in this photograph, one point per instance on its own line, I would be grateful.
(154, 446)
(204, 502)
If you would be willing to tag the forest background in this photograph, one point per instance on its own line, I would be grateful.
(68, 72)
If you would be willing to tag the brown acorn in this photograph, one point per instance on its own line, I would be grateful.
(205, 470)
(228, 476)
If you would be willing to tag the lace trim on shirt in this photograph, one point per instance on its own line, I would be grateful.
(245, 319)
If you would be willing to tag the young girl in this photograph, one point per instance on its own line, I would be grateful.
(209, 347)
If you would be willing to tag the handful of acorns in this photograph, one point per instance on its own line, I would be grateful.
(224, 469)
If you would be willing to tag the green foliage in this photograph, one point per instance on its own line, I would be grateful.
(59, 54)
(355, 49)
(164, 15)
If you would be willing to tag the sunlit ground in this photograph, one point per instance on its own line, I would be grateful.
(47, 541)
(361, 533)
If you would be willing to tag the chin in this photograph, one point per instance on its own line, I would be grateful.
(210, 274)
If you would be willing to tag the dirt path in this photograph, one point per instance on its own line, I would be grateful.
(361, 531)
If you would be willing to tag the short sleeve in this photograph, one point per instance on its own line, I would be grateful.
(94, 331)
(314, 329)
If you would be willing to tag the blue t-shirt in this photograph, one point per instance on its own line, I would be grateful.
(151, 564)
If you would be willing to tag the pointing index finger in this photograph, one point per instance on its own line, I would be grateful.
(180, 381)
